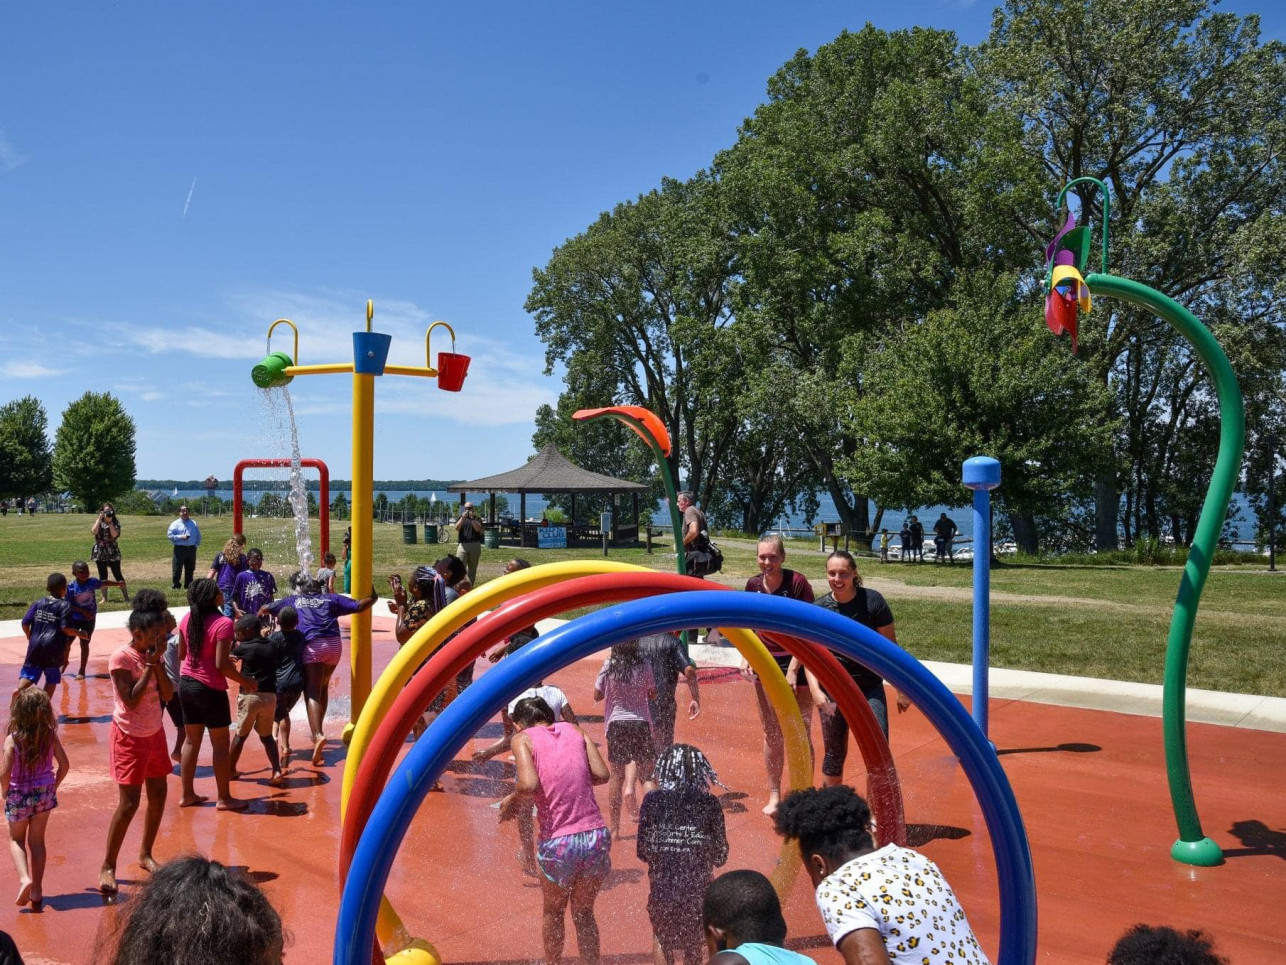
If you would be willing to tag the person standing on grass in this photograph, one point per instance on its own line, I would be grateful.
(257, 707)
(205, 649)
(107, 551)
(944, 531)
(137, 751)
(30, 784)
(469, 528)
(82, 594)
(319, 614)
(559, 766)
(48, 627)
(776, 580)
(917, 538)
(186, 537)
(849, 598)
(695, 536)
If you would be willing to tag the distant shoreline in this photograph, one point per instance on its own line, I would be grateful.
(312, 484)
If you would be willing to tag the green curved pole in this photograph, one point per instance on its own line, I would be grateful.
(1193, 847)
(667, 480)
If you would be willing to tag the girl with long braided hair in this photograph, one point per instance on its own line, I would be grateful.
(682, 840)
(205, 652)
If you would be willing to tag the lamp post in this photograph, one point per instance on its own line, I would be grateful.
(370, 357)
(981, 474)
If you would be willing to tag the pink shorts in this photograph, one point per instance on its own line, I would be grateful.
(325, 650)
(134, 760)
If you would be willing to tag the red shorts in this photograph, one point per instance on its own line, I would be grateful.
(134, 760)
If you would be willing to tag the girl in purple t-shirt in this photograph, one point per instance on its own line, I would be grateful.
(626, 683)
(27, 775)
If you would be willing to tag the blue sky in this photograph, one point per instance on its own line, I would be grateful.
(174, 177)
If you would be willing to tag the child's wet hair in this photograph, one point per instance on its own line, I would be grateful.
(831, 821)
(255, 554)
(149, 599)
(744, 904)
(141, 620)
(198, 912)
(80, 566)
(287, 618)
(249, 626)
(531, 711)
(32, 724)
(682, 767)
(329, 559)
(55, 583)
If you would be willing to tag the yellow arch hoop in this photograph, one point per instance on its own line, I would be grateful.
(389, 927)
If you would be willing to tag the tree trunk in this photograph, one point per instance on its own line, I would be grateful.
(1106, 506)
(1026, 536)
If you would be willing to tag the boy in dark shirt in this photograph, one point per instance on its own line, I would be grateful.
(682, 840)
(255, 711)
(49, 630)
(290, 675)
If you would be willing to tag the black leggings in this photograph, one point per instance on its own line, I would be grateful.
(835, 731)
(116, 570)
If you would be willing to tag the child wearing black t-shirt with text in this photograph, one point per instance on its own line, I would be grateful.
(255, 710)
(682, 840)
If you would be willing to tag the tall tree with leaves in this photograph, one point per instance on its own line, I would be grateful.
(1182, 112)
(94, 449)
(875, 176)
(975, 378)
(637, 309)
(26, 465)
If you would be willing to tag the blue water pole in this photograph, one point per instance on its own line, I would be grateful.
(982, 475)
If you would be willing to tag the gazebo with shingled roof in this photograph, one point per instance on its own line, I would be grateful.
(549, 471)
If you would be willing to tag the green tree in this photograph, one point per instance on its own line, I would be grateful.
(26, 465)
(1182, 112)
(94, 449)
(877, 174)
(339, 506)
(975, 378)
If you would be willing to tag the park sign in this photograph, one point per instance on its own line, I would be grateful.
(551, 537)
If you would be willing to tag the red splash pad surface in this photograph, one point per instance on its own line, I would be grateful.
(1091, 785)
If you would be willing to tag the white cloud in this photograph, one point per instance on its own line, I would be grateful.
(28, 370)
(194, 340)
(10, 156)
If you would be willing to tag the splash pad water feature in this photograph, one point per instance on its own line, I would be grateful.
(296, 466)
(370, 360)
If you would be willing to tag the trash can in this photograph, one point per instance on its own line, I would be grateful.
(491, 537)
(408, 532)
(430, 532)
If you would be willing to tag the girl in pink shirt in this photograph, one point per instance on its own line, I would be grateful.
(138, 752)
(559, 766)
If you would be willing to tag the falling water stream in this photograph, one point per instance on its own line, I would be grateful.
(282, 419)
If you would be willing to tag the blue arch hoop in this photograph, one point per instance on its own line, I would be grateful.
(424, 764)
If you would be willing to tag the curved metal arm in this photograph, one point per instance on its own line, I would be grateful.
(428, 355)
(370, 312)
(285, 321)
(1107, 210)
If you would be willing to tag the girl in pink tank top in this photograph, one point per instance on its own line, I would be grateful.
(559, 766)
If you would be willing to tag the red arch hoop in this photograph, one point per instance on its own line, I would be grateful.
(323, 496)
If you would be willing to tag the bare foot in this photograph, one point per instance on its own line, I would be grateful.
(234, 775)
(107, 881)
(193, 802)
(284, 754)
(149, 864)
(771, 807)
(277, 780)
(232, 804)
(24, 893)
(177, 758)
(319, 747)
(527, 863)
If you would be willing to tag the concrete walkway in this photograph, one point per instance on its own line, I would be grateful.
(1251, 711)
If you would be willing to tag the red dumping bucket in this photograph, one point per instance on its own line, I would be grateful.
(452, 369)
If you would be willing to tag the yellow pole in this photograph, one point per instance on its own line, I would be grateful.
(363, 471)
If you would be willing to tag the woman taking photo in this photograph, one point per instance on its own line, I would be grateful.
(107, 552)
(849, 598)
(205, 655)
(776, 580)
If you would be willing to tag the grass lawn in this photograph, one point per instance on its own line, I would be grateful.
(1092, 621)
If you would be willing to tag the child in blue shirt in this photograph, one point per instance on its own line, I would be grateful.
(47, 624)
(82, 594)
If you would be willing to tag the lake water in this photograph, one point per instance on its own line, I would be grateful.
(826, 511)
